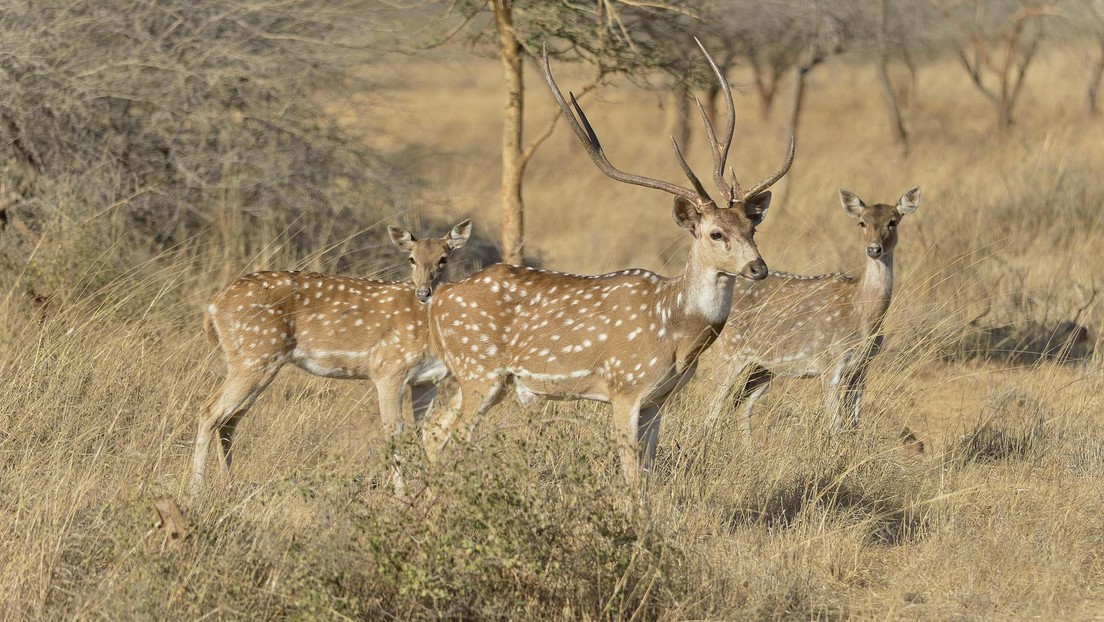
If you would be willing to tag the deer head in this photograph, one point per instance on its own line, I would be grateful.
(723, 232)
(429, 257)
(879, 222)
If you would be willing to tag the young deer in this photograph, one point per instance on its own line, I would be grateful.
(630, 338)
(827, 326)
(331, 326)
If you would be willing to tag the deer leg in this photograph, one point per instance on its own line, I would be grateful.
(436, 430)
(469, 403)
(226, 433)
(421, 400)
(730, 375)
(757, 381)
(831, 384)
(648, 437)
(232, 400)
(626, 422)
(390, 391)
(853, 393)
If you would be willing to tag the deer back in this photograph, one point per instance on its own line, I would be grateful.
(567, 335)
(335, 325)
(802, 321)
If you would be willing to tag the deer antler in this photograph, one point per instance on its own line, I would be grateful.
(732, 192)
(720, 150)
(769, 180)
(589, 138)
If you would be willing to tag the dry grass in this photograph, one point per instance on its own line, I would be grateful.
(1000, 518)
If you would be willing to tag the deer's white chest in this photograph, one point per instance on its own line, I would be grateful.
(709, 298)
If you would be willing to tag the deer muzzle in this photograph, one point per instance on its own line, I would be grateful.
(755, 270)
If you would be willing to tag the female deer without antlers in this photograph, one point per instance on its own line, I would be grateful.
(827, 326)
(331, 326)
(630, 338)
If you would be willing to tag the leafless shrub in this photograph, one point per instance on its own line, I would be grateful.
(1025, 343)
(140, 124)
(869, 495)
(997, 42)
(1013, 427)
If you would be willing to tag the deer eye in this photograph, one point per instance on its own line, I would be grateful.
(892, 224)
(412, 262)
(716, 235)
(444, 260)
(862, 224)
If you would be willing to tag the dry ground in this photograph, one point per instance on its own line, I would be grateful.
(1001, 517)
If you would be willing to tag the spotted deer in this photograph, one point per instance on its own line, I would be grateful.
(826, 326)
(330, 326)
(629, 338)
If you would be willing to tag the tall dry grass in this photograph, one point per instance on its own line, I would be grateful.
(999, 518)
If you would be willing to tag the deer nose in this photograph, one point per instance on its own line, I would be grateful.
(423, 294)
(756, 270)
(874, 250)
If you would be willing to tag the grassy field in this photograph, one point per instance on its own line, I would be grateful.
(1000, 517)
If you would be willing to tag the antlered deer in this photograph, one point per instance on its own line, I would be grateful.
(827, 326)
(630, 338)
(331, 326)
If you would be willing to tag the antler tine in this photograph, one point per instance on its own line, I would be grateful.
(720, 151)
(694, 181)
(769, 181)
(585, 132)
(726, 189)
(735, 183)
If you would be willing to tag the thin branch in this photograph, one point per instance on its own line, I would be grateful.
(663, 7)
(975, 75)
(550, 127)
(449, 35)
(1021, 71)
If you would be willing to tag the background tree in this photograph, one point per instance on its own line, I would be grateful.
(1094, 23)
(884, 30)
(829, 30)
(677, 60)
(150, 124)
(768, 38)
(996, 43)
(595, 32)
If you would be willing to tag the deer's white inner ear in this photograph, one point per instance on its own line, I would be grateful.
(401, 238)
(909, 201)
(851, 203)
(686, 213)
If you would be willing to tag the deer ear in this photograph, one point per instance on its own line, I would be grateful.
(401, 238)
(459, 235)
(686, 215)
(755, 208)
(909, 201)
(851, 202)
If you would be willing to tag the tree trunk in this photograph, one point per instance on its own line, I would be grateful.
(1004, 115)
(766, 101)
(1096, 72)
(513, 207)
(680, 124)
(712, 96)
(896, 123)
(910, 96)
(797, 99)
(765, 87)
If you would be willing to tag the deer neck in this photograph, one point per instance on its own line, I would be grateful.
(874, 293)
(704, 292)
